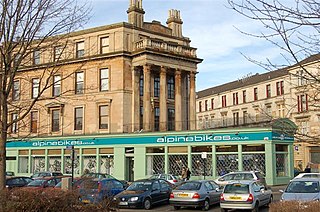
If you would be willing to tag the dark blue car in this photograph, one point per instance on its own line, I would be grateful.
(98, 190)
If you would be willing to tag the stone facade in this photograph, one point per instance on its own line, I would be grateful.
(261, 98)
(120, 78)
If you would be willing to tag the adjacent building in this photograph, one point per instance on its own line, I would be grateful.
(259, 99)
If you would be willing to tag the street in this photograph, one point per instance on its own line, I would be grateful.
(214, 208)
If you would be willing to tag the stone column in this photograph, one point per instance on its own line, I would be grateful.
(178, 101)
(163, 99)
(146, 97)
(136, 98)
(192, 106)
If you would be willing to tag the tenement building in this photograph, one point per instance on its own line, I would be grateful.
(259, 99)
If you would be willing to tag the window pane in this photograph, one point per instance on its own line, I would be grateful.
(103, 118)
(78, 118)
(55, 120)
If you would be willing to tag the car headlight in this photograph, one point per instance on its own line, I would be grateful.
(133, 199)
(115, 198)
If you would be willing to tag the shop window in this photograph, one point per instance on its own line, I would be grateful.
(155, 164)
(256, 162)
(38, 164)
(23, 164)
(155, 149)
(253, 148)
(226, 163)
(106, 164)
(201, 166)
(281, 165)
(68, 165)
(90, 164)
(129, 150)
(176, 163)
(54, 163)
(281, 148)
(227, 148)
(201, 149)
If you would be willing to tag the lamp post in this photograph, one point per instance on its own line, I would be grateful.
(72, 155)
(204, 156)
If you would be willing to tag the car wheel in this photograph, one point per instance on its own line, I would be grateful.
(206, 205)
(256, 207)
(147, 204)
(177, 207)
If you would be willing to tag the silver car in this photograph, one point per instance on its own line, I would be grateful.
(241, 175)
(195, 193)
(308, 175)
(173, 179)
(302, 189)
(245, 195)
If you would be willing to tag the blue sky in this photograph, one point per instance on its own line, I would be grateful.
(211, 26)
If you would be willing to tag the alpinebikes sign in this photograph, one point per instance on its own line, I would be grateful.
(152, 139)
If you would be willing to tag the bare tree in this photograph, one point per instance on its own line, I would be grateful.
(293, 27)
(27, 28)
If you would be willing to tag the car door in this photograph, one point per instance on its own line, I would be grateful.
(265, 194)
(117, 187)
(258, 193)
(165, 190)
(155, 192)
(216, 192)
(209, 192)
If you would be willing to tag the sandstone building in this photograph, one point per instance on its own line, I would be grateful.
(257, 100)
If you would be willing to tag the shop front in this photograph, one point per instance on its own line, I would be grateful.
(208, 154)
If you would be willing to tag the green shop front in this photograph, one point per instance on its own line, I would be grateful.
(134, 156)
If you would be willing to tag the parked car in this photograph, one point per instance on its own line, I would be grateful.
(44, 182)
(302, 189)
(144, 194)
(173, 179)
(245, 194)
(46, 174)
(241, 175)
(15, 181)
(308, 175)
(196, 193)
(97, 190)
(104, 176)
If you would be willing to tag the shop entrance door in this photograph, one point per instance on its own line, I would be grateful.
(130, 169)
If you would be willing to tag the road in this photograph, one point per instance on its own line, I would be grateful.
(214, 208)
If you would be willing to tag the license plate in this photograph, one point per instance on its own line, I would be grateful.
(183, 195)
(123, 203)
(85, 201)
(235, 198)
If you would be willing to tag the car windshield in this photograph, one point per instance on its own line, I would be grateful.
(89, 184)
(303, 187)
(236, 188)
(189, 186)
(140, 186)
(36, 183)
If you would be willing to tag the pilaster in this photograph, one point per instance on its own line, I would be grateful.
(163, 99)
(147, 97)
(136, 98)
(178, 101)
(192, 106)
